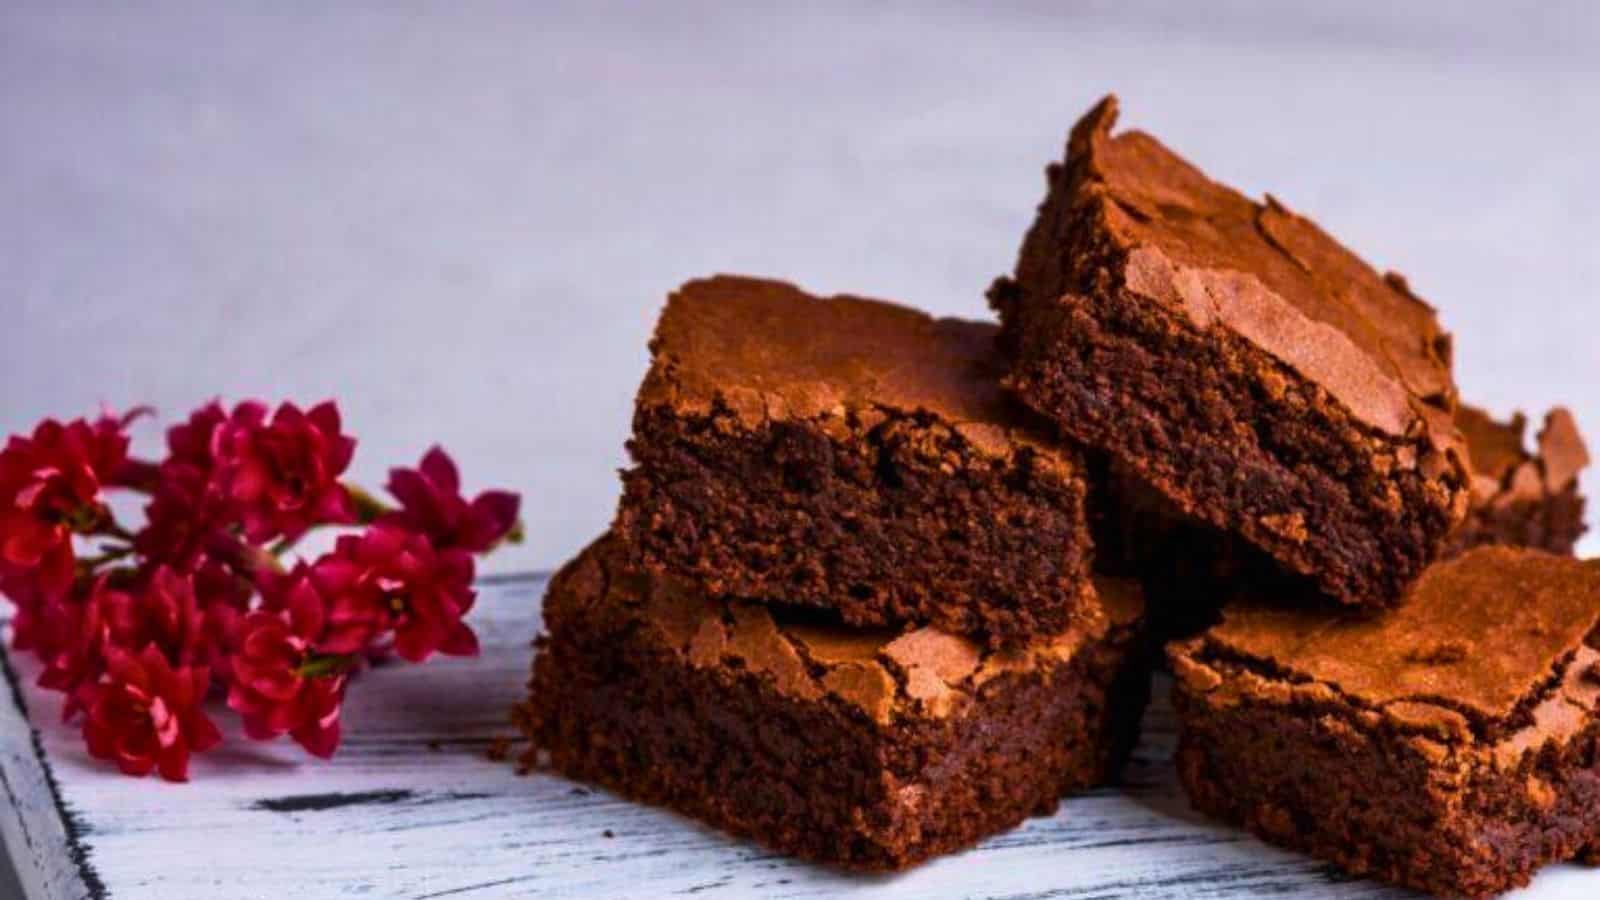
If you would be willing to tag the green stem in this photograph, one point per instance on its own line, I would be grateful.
(318, 665)
(245, 556)
(368, 507)
(261, 560)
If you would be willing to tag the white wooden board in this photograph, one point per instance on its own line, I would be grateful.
(412, 807)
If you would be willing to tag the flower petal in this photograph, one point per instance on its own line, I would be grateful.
(439, 468)
(175, 762)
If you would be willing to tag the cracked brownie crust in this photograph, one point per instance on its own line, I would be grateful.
(1452, 746)
(1519, 498)
(854, 455)
(1238, 361)
(866, 749)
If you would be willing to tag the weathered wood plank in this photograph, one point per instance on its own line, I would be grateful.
(412, 807)
(42, 835)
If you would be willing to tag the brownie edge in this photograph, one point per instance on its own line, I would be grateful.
(1450, 746)
(864, 749)
(853, 455)
(1522, 498)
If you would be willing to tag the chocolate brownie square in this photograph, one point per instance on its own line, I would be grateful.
(1520, 498)
(1238, 361)
(1452, 745)
(869, 749)
(850, 454)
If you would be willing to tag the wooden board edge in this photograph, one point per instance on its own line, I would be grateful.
(42, 836)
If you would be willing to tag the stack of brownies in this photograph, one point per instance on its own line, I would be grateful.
(881, 585)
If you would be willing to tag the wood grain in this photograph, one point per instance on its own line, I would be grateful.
(412, 807)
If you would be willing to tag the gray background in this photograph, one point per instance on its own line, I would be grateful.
(460, 219)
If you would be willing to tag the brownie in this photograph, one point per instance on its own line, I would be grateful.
(868, 749)
(1238, 361)
(1184, 567)
(854, 455)
(1451, 745)
(1519, 498)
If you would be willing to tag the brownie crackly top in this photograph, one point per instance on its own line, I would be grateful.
(887, 674)
(1503, 469)
(1167, 232)
(1495, 644)
(768, 351)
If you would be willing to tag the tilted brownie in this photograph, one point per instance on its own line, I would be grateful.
(1240, 362)
(1450, 745)
(865, 749)
(1520, 498)
(851, 454)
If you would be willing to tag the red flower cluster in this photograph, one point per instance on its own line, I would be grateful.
(137, 633)
(49, 491)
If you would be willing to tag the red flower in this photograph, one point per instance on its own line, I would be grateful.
(224, 599)
(69, 638)
(178, 522)
(170, 615)
(28, 625)
(189, 444)
(290, 593)
(280, 589)
(145, 715)
(283, 681)
(283, 475)
(73, 634)
(390, 577)
(50, 490)
(111, 429)
(185, 510)
(431, 503)
(134, 634)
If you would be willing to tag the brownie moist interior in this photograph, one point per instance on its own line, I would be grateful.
(866, 749)
(854, 455)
